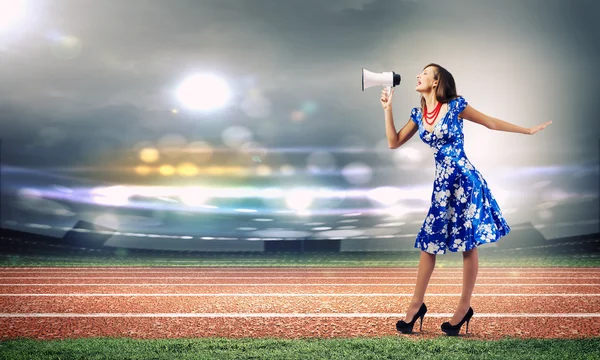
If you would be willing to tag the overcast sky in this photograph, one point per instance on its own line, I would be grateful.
(86, 84)
(522, 61)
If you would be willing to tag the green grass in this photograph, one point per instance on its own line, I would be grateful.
(385, 259)
(346, 349)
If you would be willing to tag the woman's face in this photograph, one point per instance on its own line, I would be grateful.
(425, 80)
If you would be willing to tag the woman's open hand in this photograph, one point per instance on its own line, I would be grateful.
(535, 129)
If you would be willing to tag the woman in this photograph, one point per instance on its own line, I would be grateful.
(463, 214)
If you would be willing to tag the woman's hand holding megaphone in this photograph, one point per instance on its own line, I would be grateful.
(386, 100)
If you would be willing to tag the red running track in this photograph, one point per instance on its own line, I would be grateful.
(58, 303)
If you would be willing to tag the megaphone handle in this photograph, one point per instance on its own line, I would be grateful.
(389, 90)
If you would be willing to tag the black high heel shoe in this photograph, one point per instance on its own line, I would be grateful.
(455, 329)
(406, 328)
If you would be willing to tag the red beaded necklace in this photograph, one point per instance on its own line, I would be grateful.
(432, 115)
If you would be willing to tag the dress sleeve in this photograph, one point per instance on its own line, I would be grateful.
(414, 113)
(460, 104)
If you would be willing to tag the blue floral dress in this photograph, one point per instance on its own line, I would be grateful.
(463, 214)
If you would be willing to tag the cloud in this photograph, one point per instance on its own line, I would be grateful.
(134, 54)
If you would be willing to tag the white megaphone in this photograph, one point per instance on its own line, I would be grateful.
(386, 79)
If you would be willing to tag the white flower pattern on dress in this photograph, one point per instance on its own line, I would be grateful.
(463, 214)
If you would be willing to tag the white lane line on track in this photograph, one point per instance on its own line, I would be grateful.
(281, 277)
(285, 315)
(325, 284)
(276, 295)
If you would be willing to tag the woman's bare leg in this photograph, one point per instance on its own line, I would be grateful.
(470, 268)
(426, 266)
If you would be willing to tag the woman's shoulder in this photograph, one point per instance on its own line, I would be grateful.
(457, 101)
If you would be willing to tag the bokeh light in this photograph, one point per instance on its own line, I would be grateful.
(407, 155)
(187, 169)
(149, 155)
(297, 116)
(320, 162)
(287, 170)
(11, 13)
(236, 136)
(357, 173)
(263, 170)
(255, 105)
(309, 107)
(299, 199)
(166, 170)
(385, 195)
(200, 151)
(253, 152)
(66, 47)
(203, 92)
(143, 170)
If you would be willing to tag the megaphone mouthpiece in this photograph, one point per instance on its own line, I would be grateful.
(397, 79)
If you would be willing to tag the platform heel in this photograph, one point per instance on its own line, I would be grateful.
(407, 328)
(453, 330)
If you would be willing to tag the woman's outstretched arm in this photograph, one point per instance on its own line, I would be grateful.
(492, 123)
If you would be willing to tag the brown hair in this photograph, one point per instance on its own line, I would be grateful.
(446, 89)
